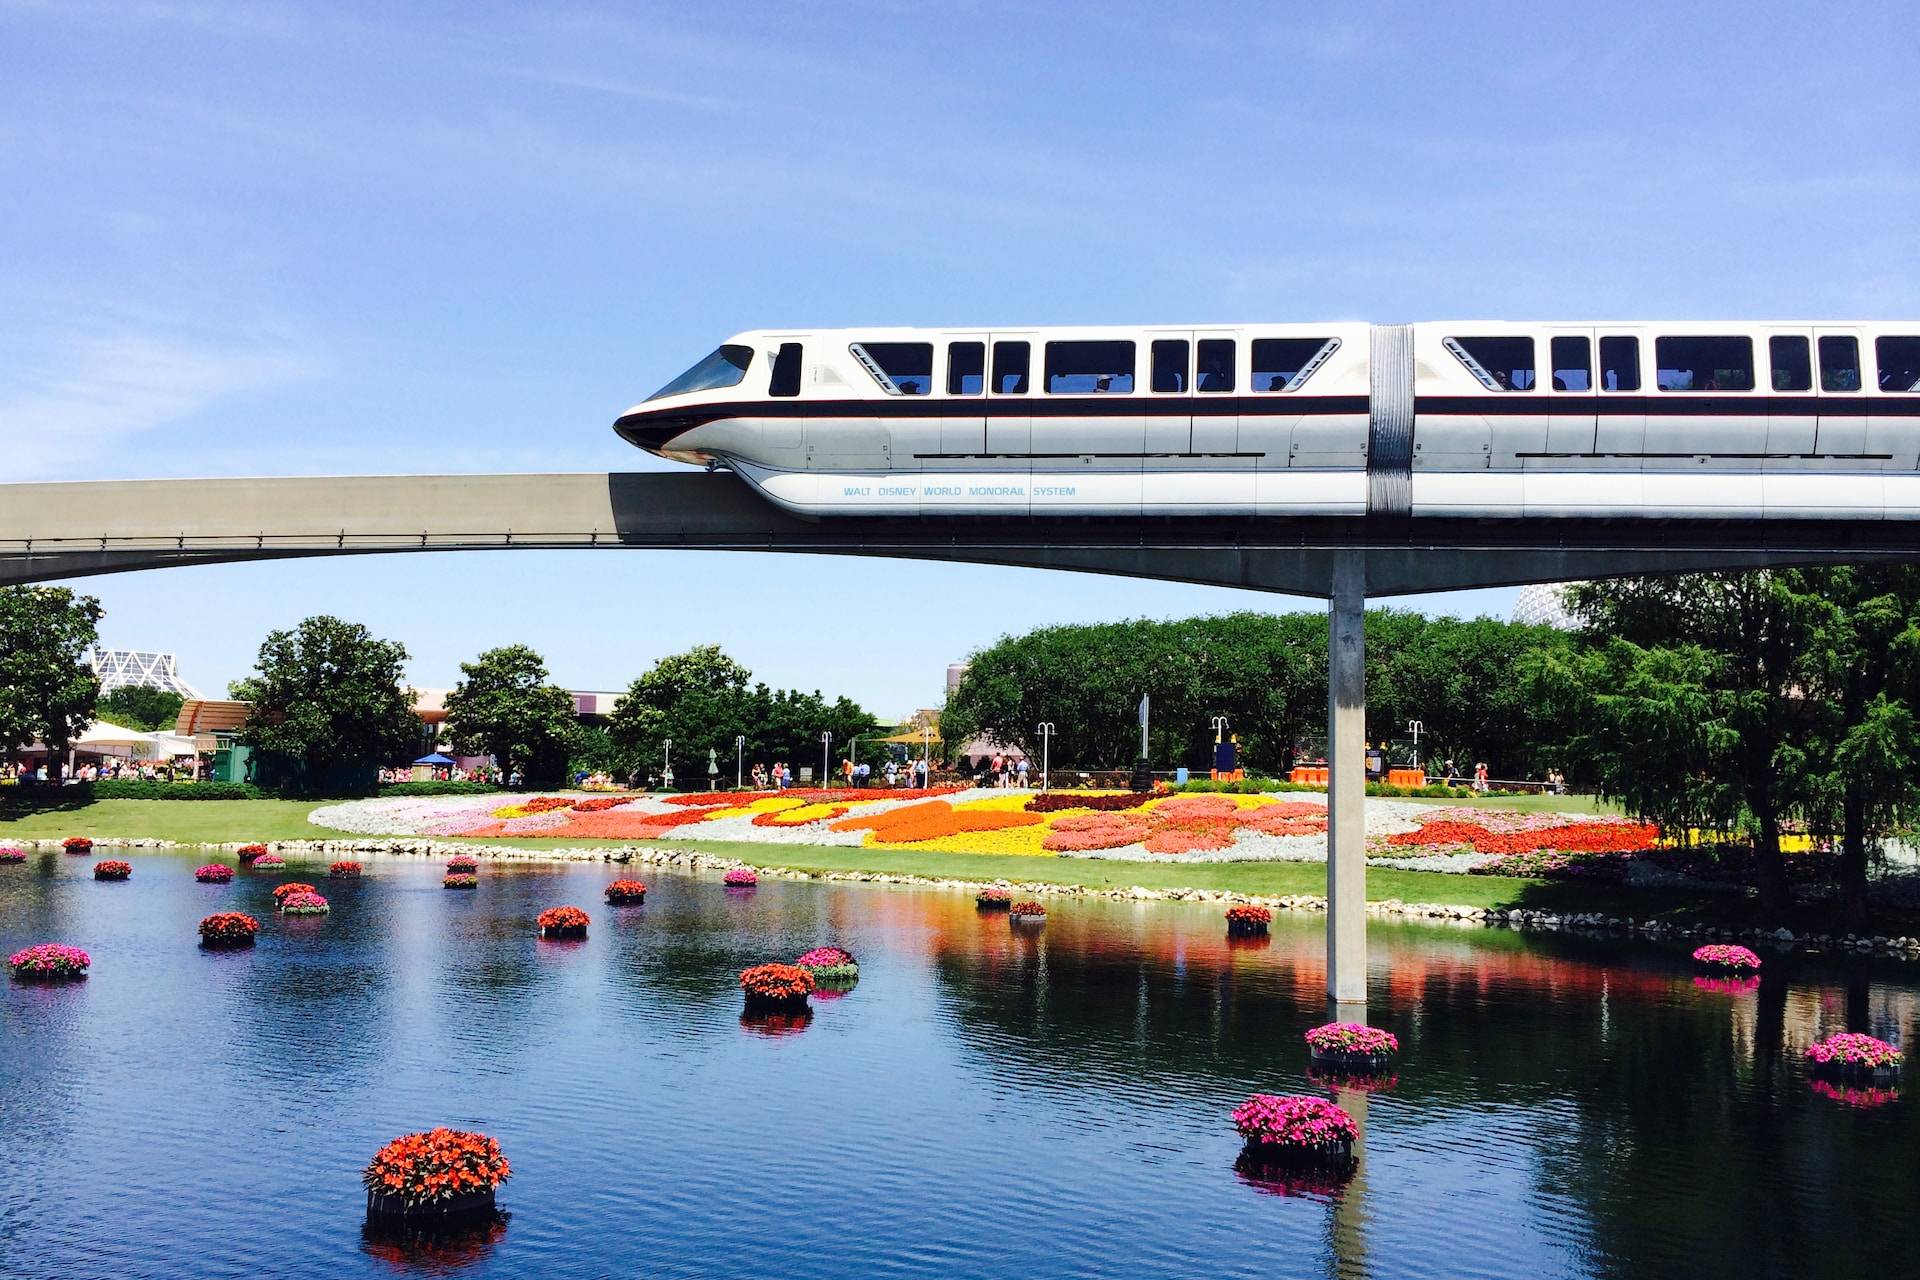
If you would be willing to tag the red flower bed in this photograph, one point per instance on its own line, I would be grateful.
(281, 892)
(1096, 831)
(563, 922)
(213, 873)
(542, 804)
(112, 870)
(460, 880)
(1570, 837)
(344, 871)
(77, 844)
(600, 804)
(623, 893)
(931, 819)
(228, 929)
(248, 852)
(440, 1164)
(776, 983)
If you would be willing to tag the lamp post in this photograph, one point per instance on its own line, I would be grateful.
(1046, 753)
(666, 767)
(826, 743)
(1414, 727)
(853, 755)
(926, 751)
(739, 760)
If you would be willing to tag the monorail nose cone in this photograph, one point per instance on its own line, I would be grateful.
(651, 429)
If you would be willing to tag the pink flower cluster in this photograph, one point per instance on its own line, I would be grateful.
(10, 854)
(1299, 1121)
(303, 904)
(213, 873)
(49, 960)
(739, 877)
(1720, 955)
(1851, 1049)
(1352, 1037)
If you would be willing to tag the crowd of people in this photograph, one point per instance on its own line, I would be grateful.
(111, 768)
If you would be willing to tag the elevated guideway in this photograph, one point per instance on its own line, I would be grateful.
(70, 530)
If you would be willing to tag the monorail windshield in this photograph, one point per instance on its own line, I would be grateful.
(724, 368)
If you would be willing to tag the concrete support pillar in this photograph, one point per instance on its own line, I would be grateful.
(1347, 787)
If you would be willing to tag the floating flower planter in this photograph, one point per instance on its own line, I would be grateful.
(1855, 1058)
(993, 900)
(563, 922)
(269, 862)
(1352, 1046)
(1247, 920)
(49, 962)
(112, 869)
(1724, 958)
(1026, 913)
(776, 986)
(344, 871)
(440, 1174)
(463, 864)
(225, 929)
(834, 965)
(460, 880)
(213, 873)
(626, 893)
(740, 878)
(1296, 1128)
(281, 892)
(304, 904)
(250, 852)
(11, 854)
(77, 844)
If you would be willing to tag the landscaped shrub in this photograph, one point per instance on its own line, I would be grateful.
(460, 880)
(740, 878)
(626, 893)
(344, 871)
(776, 984)
(228, 929)
(1721, 955)
(829, 964)
(140, 789)
(77, 844)
(1246, 919)
(304, 904)
(1296, 1125)
(439, 789)
(213, 873)
(49, 960)
(563, 922)
(425, 1170)
(112, 869)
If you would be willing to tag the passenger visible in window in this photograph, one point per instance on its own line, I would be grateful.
(1572, 363)
(1839, 363)
(1620, 364)
(1216, 365)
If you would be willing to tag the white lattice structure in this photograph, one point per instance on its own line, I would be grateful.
(138, 669)
(1545, 602)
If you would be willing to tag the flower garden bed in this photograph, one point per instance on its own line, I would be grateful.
(1299, 1128)
(460, 880)
(563, 923)
(344, 871)
(112, 869)
(1248, 920)
(9, 854)
(49, 962)
(77, 844)
(830, 965)
(1352, 1046)
(1725, 958)
(626, 893)
(214, 873)
(442, 1173)
(228, 929)
(304, 904)
(776, 986)
(1855, 1059)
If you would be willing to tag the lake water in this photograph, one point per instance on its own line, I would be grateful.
(983, 1103)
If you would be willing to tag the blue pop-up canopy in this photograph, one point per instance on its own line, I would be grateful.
(435, 758)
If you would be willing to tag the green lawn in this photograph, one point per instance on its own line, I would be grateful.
(188, 821)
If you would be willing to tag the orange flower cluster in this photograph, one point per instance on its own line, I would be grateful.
(600, 804)
(563, 920)
(344, 871)
(931, 819)
(544, 804)
(112, 869)
(437, 1165)
(248, 852)
(1568, 837)
(281, 892)
(776, 982)
(228, 928)
(626, 892)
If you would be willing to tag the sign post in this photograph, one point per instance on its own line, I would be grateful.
(1143, 767)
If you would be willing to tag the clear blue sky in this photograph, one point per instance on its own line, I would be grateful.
(274, 239)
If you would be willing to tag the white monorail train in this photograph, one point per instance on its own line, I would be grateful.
(1469, 419)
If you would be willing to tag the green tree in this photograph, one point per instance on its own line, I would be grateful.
(331, 698)
(47, 689)
(697, 700)
(505, 707)
(141, 707)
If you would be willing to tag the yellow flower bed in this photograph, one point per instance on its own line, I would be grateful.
(769, 804)
(1018, 841)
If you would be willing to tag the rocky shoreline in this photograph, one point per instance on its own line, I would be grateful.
(693, 860)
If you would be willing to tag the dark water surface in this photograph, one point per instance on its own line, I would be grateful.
(982, 1103)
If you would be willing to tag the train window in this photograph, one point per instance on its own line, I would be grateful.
(1216, 365)
(724, 368)
(1282, 364)
(1572, 364)
(1010, 360)
(785, 380)
(1704, 363)
(1619, 364)
(966, 368)
(1839, 363)
(901, 368)
(1899, 360)
(1089, 368)
(1792, 363)
(1501, 364)
(1170, 364)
